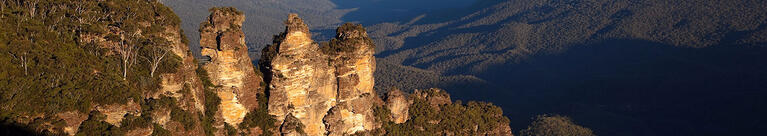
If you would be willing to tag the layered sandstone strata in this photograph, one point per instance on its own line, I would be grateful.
(302, 84)
(230, 69)
(327, 89)
(398, 103)
(351, 54)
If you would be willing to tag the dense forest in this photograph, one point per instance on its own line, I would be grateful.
(49, 62)
(61, 56)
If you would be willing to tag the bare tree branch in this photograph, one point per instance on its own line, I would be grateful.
(156, 56)
(127, 54)
(23, 61)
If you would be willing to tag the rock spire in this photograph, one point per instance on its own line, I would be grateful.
(301, 82)
(230, 69)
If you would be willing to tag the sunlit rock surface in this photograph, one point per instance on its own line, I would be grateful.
(115, 112)
(184, 77)
(351, 54)
(229, 67)
(301, 81)
(398, 104)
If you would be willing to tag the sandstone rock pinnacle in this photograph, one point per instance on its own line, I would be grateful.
(301, 83)
(398, 104)
(351, 54)
(230, 68)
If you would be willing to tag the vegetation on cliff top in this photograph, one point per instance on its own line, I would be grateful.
(94, 126)
(53, 60)
(349, 36)
(206, 25)
(426, 120)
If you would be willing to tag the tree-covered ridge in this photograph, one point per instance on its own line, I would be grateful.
(62, 56)
(432, 113)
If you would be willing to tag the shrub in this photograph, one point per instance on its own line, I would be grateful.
(211, 102)
(159, 131)
(423, 119)
(555, 125)
(230, 131)
(94, 126)
(184, 117)
(259, 117)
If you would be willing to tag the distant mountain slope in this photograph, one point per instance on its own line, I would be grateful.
(263, 18)
(628, 67)
(509, 31)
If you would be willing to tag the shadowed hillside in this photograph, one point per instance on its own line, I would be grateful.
(510, 31)
(561, 56)
(266, 16)
(629, 87)
(621, 67)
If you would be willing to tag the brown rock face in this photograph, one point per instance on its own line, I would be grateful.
(301, 82)
(328, 90)
(116, 112)
(351, 54)
(398, 104)
(183, 85)
(73, 119)
(140, 132)
(185, 76)
(230, 68)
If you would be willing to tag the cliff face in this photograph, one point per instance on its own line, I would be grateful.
(184, 77)
(302, 84)
(329, 90)
(351, 54)
(398, 104)
(229, 67)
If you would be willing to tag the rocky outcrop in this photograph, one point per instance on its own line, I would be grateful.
(434, 96)
(139, 132)
(398, 104)
(494, 122)
(229, 67)
(301, 82)
(351, 54)
(184, 79)
(328, 89)
(352, 116)
(72, 120)
(115, 112)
